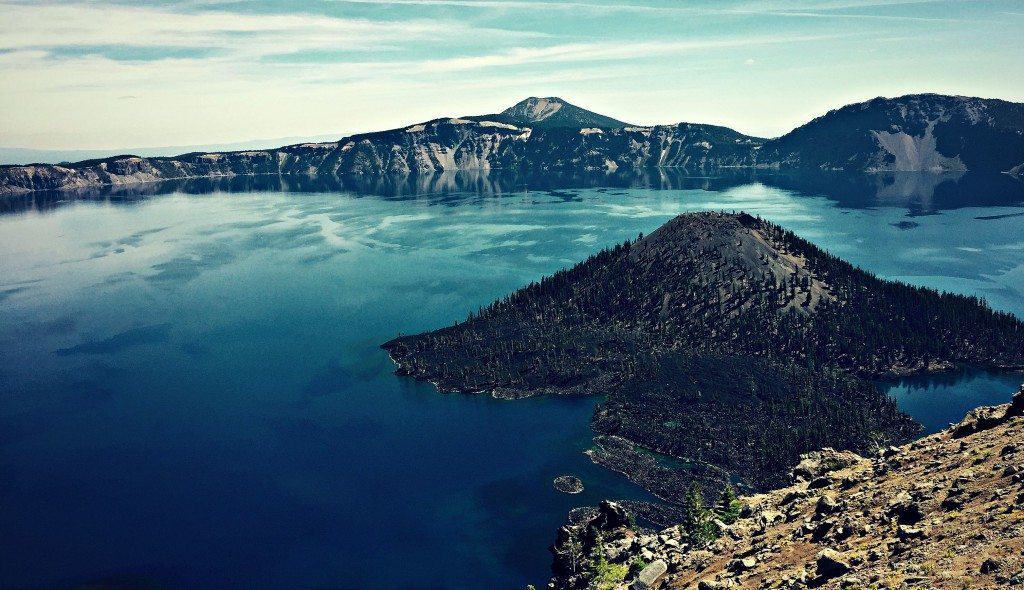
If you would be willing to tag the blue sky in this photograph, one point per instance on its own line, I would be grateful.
(105, 74)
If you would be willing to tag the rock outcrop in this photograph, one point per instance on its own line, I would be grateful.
(946, 511)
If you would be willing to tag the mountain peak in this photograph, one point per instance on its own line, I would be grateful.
(536, 108)
(552, 111)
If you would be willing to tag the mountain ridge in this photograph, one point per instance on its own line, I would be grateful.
(923, 132)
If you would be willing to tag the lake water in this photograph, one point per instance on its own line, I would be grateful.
(192, 393)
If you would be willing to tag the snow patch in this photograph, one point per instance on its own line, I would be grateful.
(416, 128)
(499, 125)
(590, 131)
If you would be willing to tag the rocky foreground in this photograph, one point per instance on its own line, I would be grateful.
(946, 511)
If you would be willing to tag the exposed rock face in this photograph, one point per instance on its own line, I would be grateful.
(946, 511)
(917, 132)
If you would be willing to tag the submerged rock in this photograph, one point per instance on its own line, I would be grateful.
(568, 484)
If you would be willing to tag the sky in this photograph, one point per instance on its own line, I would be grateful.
(107, 74)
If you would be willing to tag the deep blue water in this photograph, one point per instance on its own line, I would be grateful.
(192, 394)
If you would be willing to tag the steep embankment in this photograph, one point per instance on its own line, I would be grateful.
(910, 133)
(946, 511)
(725, 345)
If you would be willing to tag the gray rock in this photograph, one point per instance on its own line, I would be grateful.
(650, 574)
(832, 564)
(905, 509)
(907, 533)
(825, 506)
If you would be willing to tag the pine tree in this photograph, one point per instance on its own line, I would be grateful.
(698, 526)
(728, 509)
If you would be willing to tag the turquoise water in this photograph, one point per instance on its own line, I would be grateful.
(192, 394)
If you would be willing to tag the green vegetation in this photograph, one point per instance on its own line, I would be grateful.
(636, 566)
(698, 525)
(728, 508)
(604, 575)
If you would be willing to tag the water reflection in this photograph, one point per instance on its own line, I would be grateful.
(943, 398)
(920, 193)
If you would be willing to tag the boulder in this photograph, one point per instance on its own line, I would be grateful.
(991, 566)
(905, 509)
(825, 506)
(906, 533)
(742, 565)
(815, 464)
(650, 574)
(832, 564)
(1017, 404)
(611, 516)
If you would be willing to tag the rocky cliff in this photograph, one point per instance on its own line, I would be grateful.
(912, 133)
(946, 511)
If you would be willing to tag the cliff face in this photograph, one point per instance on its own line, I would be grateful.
(911, 133)
(946, 511)
(427, 148)
(127, 170)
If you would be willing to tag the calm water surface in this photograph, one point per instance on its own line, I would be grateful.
(192, 394)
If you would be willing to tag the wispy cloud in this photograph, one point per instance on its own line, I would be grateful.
(769, 8)
(215, 71)
(589, 52)
(31, 27)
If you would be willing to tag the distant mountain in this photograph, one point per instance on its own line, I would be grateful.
(911, 133)
(22, 156)
(919, 132)
(722, 340)
(553, 112)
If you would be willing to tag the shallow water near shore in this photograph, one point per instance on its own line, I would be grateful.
(192, 393)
